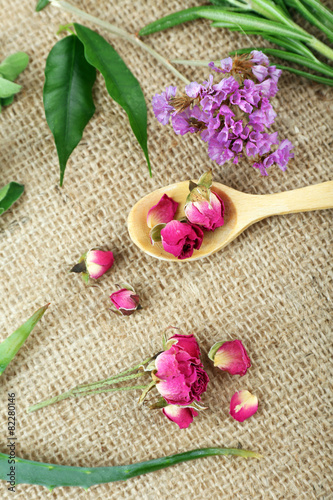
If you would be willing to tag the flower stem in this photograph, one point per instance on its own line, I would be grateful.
(97, 387)
(120, 33)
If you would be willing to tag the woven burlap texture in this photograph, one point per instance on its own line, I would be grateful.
(271, 288)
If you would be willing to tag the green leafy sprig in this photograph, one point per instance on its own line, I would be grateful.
(271, 20)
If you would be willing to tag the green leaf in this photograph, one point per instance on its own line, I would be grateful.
(11, 345)
(6, 101)
(68, 101)
(221, 15)
(41, 4)
(120, 83)
(8, 88)
(13, 65)
(9, 194)
(53, 476)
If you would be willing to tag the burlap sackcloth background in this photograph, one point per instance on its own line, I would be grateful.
(271, 288)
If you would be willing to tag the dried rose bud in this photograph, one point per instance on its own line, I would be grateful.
(94, 264)
(183, 417)
(208, 214)
(181, 238)
(231, 357)
(203, 207)
(163, 212)
(243, 405)
(125, 300)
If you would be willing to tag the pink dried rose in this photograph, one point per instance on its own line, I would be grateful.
(204, 207)
(125, 300)
(94, 264)
(243, 405)
(183, 417)
(231, 357)
(208, 214)
(163, 212)
(181, 238)
(180, 378)
(188, 343)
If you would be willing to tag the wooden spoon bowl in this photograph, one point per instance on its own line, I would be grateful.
(241, 210)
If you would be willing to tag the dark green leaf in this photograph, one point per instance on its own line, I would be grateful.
(121, 84)
(13, 65)
(52, 475)
(6, 101)
(8, 88)
(171, 20)
(68, 101)
(41, 4)
(9, 194)
(11, 345)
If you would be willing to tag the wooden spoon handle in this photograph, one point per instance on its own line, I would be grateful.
(316, 197)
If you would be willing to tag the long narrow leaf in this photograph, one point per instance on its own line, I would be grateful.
(120, 83)
(220, 15)
(52, 475)
(9, 194)
(291, 45)
(320, 8)
(11, 345)
(296, 4)
(13, 65)
(68, 101)
(289, 56)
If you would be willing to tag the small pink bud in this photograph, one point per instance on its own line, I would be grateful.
(98, 262)
(183, 417)
(208, 214)
(243, 405)
(125, 300)
(94, 264)
(231, 357)
(163, 212)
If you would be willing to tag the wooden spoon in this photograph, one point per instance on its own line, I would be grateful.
(241, 210)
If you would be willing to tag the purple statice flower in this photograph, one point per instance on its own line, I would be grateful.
(226, 66)
(161, 106)
(232, 115)
(193, 89)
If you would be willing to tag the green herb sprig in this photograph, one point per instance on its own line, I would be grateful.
(271, 20)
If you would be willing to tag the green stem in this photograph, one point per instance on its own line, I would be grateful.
(67, 7)
(82, 391)
(121, 374)
(103, 383)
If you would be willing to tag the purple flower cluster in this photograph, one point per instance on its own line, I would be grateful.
(231, 116)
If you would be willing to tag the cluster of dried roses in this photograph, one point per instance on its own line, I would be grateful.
(204, 210)
(180, 378)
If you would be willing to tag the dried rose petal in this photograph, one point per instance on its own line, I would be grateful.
(183, 417)
(243, 405)
(232, 357)
(163, 212)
